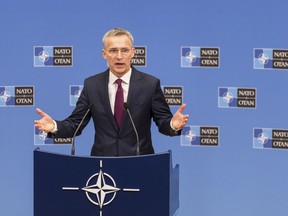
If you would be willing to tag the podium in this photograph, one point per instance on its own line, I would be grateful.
(105, 186)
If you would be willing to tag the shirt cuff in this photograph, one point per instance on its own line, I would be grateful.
(55, 127)
(173, 127)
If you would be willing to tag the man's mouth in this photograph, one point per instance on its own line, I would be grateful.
(119, 64)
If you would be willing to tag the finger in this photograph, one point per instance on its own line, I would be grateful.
(40, 112)
(38, 125)
(37, 122)
(186, 116)
(181, 108)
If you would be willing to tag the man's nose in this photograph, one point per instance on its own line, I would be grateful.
(119, 55)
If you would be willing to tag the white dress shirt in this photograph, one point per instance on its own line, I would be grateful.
(112, 87)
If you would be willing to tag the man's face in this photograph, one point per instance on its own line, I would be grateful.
(118, 51)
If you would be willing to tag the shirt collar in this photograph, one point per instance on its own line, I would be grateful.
(125, 78)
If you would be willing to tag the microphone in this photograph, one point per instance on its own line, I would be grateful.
(73, 138)
(135, 130)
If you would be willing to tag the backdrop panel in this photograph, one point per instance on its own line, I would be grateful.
(228, 58)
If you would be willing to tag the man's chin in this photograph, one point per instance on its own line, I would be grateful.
(120, 72)
(121, 69)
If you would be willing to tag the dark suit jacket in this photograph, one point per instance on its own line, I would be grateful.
(146, 102)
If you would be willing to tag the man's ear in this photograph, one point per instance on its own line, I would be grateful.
(133, 52)
(104, 54)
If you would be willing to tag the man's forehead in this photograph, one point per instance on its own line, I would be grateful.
(119, 40)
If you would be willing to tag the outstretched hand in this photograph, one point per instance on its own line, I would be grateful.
(179, 120)
(46, 123)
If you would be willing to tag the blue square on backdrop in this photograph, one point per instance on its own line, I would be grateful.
(258, 52)
(222, 91)
(185, 50)
(49, 62)
(11, 101)
(233, 103)
(269, 64)
(38, 50)
(196, 62)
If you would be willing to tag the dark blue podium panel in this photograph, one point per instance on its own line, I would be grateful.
(105, 186)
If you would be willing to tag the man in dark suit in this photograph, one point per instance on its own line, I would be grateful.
(114, 135)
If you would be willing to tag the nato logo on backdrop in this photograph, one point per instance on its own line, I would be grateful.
(140, 55)
(235, 97)
(268, 138)
(75, 92)
(265, 58)
(41, 138)
(16, 96)
(200, 57)
(200, 136)
(52, 56)
(173, 95)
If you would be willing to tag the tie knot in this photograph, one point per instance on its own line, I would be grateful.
(118, 81)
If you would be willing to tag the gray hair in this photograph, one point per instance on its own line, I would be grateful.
(117, 32)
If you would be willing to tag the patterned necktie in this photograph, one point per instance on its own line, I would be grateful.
(119, 103)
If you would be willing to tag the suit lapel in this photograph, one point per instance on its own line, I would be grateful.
(105, 99)
(134, 88)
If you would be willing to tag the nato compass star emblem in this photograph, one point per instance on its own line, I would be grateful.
(43, 135)
(5, 96)
(190, 135)
(43, 56)
(101, 189)
(228, 97)
(190, 57)
(263, 58)
(262, 138)
(77, 94)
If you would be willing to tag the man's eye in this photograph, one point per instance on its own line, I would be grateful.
(116, 51)
(124, 50)
(113, 51)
